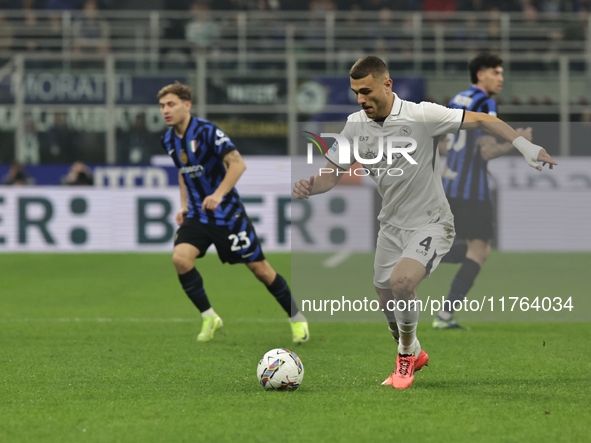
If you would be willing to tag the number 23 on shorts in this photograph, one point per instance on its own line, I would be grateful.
(240, 241)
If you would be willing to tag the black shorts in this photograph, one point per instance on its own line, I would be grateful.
(238, 244)
(473, 219)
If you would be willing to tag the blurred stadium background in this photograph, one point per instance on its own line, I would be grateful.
(103, 345)
(78, 80)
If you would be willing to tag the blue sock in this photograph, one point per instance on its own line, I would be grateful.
(280, 290)
(462, 283)
(192, 284)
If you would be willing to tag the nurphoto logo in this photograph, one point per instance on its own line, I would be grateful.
(396, 148)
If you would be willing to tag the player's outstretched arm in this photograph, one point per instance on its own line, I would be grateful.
(490, 148)
(235, 167)
(532, 153)
(180, 216)
(318, 184)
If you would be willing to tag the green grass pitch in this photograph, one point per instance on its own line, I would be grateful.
(101, 348)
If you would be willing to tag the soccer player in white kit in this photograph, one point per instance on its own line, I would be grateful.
(416, 224)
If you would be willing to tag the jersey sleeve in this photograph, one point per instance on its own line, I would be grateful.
(163, 144)
(441, 120)
(221, 142)
(163, 139)
(333, 153)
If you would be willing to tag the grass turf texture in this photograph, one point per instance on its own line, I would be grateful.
(102, 348)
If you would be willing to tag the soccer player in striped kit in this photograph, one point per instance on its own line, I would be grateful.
(212, 211)
(466, 182)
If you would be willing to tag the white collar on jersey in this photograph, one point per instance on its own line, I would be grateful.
(396, 106)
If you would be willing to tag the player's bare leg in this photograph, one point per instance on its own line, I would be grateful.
(386, 298)
(183, 257)
(279, 288)
(262, 271)
(404, 281)
(477, 252)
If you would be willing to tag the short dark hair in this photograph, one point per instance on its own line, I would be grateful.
(368, 65)
(181, 91)
(483, 61)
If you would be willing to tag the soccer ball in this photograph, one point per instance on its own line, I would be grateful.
(281, 370)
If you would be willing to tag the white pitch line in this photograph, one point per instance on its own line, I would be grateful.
(133, 320)
(334, 260)
(97, 320)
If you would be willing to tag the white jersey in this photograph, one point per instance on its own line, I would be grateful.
(412, 194)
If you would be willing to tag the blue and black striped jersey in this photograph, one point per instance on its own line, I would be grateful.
(463, 156)
(198, 155)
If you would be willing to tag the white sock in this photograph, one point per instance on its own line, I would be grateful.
(407, 320)
(209, 313)
(445, 316)
(393, 328)
(298, 317)
(418, 348)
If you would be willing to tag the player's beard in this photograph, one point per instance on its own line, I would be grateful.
(378, 110)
